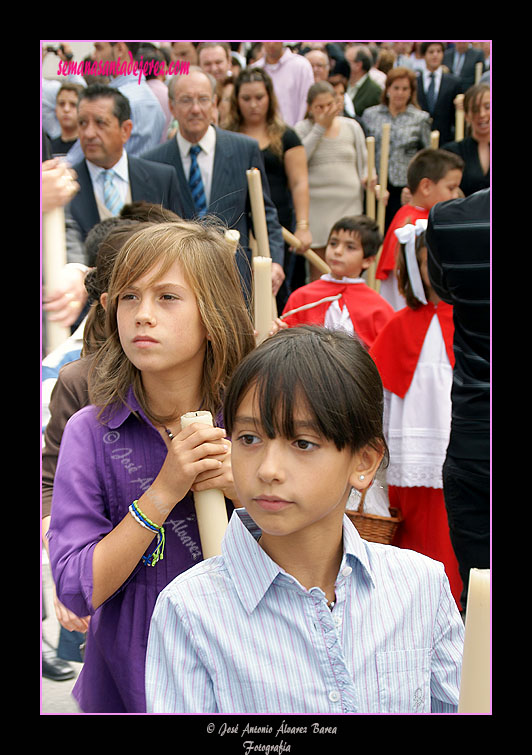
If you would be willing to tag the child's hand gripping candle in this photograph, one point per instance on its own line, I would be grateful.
(262, 296)
(210, 504)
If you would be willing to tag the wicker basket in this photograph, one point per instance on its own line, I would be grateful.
(372, 527)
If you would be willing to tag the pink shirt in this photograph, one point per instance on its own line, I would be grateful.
(292, 77)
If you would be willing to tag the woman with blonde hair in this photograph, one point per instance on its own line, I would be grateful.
(409, 131)
(123, 521)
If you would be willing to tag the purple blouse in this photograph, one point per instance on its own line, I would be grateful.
(103, 466)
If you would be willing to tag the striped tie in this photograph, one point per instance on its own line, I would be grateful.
(111, 196)
(195, 182)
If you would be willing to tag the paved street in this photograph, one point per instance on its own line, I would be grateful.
(55, 696)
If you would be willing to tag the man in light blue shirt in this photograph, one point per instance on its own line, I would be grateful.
(299, 615)
(147, 115)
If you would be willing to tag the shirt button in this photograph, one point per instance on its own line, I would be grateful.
(334, 696)
(346, 571)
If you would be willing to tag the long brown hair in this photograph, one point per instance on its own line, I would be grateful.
(275, 126)
(208, 263)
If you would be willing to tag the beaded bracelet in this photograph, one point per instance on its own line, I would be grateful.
(158, 553)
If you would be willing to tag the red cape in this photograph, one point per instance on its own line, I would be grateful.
(406, 214)
(398, 346)
(368, 311)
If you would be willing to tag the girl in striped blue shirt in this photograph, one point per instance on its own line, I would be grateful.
(299, 614)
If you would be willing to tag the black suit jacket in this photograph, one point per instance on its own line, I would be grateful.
(235, 153)
(467, 74)
(148, 182)
(458, 244)
(443, 117)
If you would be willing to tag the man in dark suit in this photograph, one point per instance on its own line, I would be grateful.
(104, 119)
(436, 91)
(363, 90)
(210, 165)
(458, 243)
(108, 178)
(462, 60)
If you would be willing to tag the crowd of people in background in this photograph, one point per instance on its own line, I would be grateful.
(136, 158)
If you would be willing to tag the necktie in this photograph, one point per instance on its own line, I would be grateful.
(195, 182)
(111, 196)
(431, 94)
(458, 62)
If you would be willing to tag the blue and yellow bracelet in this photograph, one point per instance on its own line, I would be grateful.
(158, 553)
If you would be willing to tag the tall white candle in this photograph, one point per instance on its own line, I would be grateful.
(54, 259)
(459, 118)
(258, 214)
(383, 173)
(475, 684)
(210, 507)
(370, 192)
(262, 296)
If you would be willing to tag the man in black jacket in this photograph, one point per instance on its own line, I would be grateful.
(458, 243)
(437, 90)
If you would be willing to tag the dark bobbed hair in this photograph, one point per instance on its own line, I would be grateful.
(433, 164)
(331, 372)
(121, 107)
(366, 228)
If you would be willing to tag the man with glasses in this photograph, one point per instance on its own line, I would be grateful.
(211, 166)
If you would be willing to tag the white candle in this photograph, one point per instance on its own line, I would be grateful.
(370, 192)
(311, 305)
(210, 507)
(383, 173)
(233, 237)
(475, 684)
(257, 211)
(459, 119)
(262, 296)
(54, 259)
(434, 139)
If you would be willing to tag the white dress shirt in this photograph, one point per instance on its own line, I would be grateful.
(437, 80)
(205, 158)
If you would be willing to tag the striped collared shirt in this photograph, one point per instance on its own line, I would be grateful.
(237, 634)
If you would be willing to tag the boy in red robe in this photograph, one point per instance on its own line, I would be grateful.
(433, 176)
(350, 304)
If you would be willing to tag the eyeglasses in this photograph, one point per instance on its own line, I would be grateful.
(188, 101)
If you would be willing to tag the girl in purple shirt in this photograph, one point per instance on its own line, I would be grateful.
(177, 326)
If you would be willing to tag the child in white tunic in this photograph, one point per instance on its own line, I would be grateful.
(414, 354)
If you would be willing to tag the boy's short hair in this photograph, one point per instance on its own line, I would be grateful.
(433, 164)
(69, 86)
(366, 228)
(424, 46)
(330, 371)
